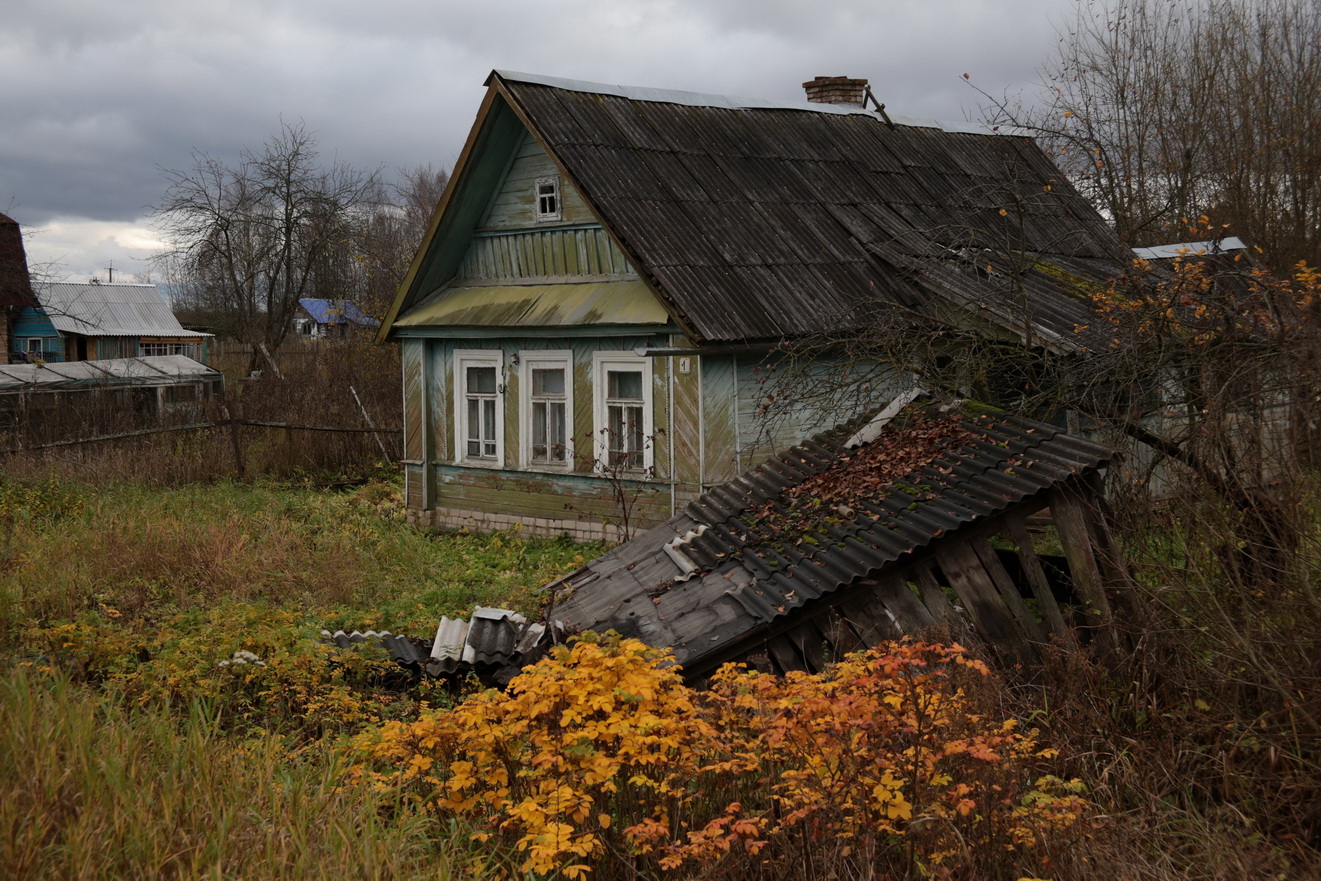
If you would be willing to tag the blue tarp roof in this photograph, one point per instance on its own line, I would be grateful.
(335, 312)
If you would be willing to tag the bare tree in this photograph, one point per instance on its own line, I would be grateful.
(248, 241)
(1163, 111)
(388, 236)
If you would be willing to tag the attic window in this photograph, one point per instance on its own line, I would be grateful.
(548, 198)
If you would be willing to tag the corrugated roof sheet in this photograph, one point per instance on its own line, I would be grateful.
(148, 370)
(814, 520)
(110, 310)
(1186, 249)
(546, 305)
(758, 221)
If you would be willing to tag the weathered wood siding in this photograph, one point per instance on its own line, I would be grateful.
(34, 323)
(514, 204)
(513, 488)
(410, 357)
(779, 404)
(585, 252)
(721, 462)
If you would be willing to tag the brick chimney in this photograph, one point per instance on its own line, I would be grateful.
(836, 90)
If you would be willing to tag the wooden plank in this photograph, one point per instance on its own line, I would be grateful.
(868, 618)
(1030, 626)
(991, 620)
(912, 616)
(1071, 522)
(941, 609)
(1016, 531)
(784, 654)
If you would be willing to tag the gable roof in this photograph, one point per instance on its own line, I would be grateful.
(110, 310)
(753, 220)
(336, 312)
(815, 520)
(15, 283)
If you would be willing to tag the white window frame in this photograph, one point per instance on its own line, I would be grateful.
(602, 364)
(543, 359)
(463, 359)
(552, 180)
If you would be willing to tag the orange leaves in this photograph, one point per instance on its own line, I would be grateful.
(602, 753)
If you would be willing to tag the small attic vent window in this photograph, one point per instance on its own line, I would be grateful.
(548, 199)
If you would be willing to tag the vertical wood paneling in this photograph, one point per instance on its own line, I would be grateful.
(410, 356)
(717, 416)
(687, 423)
(545, 253)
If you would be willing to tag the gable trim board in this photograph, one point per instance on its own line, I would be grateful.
(699, 230)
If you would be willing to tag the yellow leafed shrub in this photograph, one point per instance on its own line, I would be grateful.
(599, 756)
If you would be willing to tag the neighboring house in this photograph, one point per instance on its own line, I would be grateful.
(94, 321)
(586, 328)
(15, 283)
(918, 521)
(322, 318)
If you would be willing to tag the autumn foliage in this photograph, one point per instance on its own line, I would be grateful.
(600, 758)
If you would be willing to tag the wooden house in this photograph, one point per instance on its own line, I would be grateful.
(318, 319)
(586, 329)
(925, 518)
(92, 322)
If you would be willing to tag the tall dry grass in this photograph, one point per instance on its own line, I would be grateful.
(91, 790)
(317, 388)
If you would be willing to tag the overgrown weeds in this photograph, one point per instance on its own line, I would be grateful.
(92, 790)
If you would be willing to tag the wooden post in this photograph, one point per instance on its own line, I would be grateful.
(235, 440)
(1071, 516)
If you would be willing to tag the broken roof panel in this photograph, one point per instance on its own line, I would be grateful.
(815, 520)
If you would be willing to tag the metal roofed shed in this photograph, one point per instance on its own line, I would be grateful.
(827, 549)
(110, 310)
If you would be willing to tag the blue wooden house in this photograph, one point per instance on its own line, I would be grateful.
(93, 322)
(589, 324)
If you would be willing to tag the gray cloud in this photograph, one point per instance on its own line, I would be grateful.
(100, 97)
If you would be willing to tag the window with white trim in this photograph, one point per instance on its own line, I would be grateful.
(479, 406)
(547, 398)
(622, 393)
(548, 198)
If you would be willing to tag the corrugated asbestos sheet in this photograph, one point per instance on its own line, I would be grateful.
(110, 310)
(494, 643)
(760, 222)
(814, 520)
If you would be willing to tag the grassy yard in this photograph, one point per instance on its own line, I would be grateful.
(136, 745)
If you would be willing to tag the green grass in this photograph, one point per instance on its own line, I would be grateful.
(347, 559)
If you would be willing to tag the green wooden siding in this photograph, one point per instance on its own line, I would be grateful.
(410, 356)
(514, 203)
(548, 496)
(489, 480)
(585, 252)
(781, 405)
(720, 460)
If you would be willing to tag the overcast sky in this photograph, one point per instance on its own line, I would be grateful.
(98, 98)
